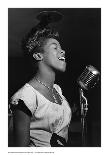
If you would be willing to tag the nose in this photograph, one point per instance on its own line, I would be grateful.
(62, 52)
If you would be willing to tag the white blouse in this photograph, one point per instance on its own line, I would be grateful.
(47, 117)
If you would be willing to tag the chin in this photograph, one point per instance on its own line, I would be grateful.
(60, 68)
(63, 69)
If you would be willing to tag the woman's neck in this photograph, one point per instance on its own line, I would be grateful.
(46, 76)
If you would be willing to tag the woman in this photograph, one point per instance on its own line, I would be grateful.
(41, 113)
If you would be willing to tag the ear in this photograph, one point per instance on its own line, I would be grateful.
(38, 56)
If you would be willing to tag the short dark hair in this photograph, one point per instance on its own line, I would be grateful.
(33, 42)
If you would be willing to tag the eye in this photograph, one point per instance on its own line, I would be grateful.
(55, 47)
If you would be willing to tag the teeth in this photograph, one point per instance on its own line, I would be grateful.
(61, 58)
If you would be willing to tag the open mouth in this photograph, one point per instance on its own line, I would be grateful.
(61, 58)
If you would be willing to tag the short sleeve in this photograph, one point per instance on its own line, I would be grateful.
(28, 96)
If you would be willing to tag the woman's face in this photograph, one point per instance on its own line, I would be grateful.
(53, 55)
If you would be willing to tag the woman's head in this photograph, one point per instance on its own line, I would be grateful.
(43, 45)
(36, 38)
(53, 56)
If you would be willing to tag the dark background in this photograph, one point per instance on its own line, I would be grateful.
(80, 32)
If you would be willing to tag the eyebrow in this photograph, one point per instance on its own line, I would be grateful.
(53, 43)
(57, 44)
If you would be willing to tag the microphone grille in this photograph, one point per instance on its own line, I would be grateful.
(89, 77)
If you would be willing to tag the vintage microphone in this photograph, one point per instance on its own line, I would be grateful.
(87, 80)
(89, 77)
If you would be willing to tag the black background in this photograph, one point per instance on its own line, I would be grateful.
(80, 32)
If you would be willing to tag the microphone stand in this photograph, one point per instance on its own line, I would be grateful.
(84, 109)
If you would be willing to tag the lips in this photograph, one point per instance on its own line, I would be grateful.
(62, 58)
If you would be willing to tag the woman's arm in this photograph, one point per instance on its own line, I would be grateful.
(21, 124)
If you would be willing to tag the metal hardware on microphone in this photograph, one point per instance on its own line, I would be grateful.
(89, 77)
(87, 80)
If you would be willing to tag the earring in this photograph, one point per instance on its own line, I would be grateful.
(37, 56)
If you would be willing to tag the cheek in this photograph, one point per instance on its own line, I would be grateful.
(50, 54)
(49, 57)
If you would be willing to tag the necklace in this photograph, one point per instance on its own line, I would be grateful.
(51, 89)
(44, 84)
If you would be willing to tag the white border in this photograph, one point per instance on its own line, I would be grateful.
(54, 4)
(4, 71)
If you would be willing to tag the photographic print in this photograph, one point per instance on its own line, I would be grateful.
(54, 84)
